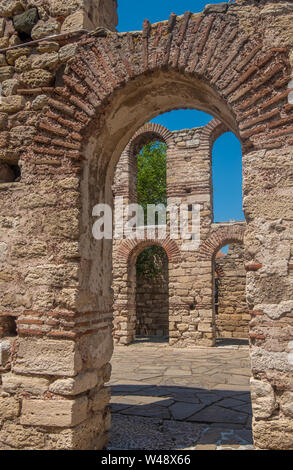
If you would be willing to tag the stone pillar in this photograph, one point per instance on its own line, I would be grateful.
(54, 367)
(268, 206)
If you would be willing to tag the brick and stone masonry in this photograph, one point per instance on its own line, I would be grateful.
(71, 102)
(191, 315)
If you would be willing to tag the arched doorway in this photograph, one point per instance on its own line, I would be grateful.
(232, 316)
(112, 87)
(152, 294)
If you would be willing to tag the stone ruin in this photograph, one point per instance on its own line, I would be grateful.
(185, 292)
(71, 102)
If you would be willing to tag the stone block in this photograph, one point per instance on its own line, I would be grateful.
(12, 104)
(9, 87)
(54, 413)
(14, 54)
(48, 60)
(6, 72)
(9, 408)
(13, 383)
(76, 385)
(19, 437)
(74, 22)
(24, 22)
(287, 404)
(263, 399)
(36, 78)
(9, 8)
(43, 30)
(67, 52)
(48, 357)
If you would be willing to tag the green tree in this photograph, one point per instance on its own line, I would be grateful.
(151, 175)
(151, 189)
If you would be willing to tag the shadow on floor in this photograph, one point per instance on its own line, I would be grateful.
(151, 339)
(224, 342)
(172, 417)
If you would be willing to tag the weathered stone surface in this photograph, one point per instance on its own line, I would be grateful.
(10, 7)
(64, 8)
(96, 350)
(51, 275)
(3, 121)
(74, 22)
(99, 400)
(3, 60)
(6, 346)
(2, 27)
(276, 311)
(22, 64)
(47, 60)
(29, 250)
(4, 42)
(14, 54)
(263, 399)
(48, 46)
(13, 383)
(90, 434)
(47, 357)
(19, 437)
(21, 135)
(220, 8)
(274, 434)
(67, 52)
(76, 385)
(39, 102)
(287, 404)
(64, 224)
(9, 408)
(6, 72)
(57, 413)
(3, 246)
(12, 104)
(36, 78)
(43, 30)
(9, 87)
(25, 22)
(263, 360)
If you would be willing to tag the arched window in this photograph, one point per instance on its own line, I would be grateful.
(227, 179)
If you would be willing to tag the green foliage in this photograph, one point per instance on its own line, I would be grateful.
(151, 175)
(151, 189)
(151, 261)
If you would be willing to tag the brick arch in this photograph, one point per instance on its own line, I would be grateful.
(220, 237)
(245, 83)
(148, 133)
(130, 249)
(212, 131)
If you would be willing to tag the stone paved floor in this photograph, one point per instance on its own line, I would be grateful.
(167, 398)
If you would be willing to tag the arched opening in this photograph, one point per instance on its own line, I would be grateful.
(232, 315)
(152, 294)
(227, 179)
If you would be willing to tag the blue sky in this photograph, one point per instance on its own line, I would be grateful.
(227, 164)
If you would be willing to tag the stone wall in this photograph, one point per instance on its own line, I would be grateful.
(232, 315)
